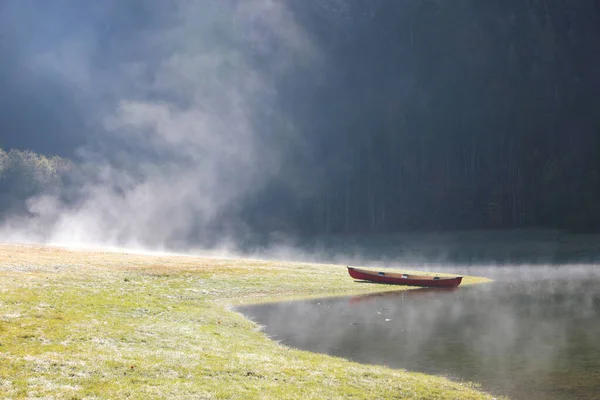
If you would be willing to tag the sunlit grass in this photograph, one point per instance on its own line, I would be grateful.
(77, 324)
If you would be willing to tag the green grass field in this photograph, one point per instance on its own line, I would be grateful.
(88, 325)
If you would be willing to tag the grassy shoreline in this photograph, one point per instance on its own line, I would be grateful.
(89, 324)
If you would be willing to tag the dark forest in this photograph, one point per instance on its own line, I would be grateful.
(427, 115)
(497, 125)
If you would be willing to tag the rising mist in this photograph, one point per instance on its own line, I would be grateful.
(216, 123)
(529, 335)
(180, 103)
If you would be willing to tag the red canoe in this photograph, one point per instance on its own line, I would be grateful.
(404, 279)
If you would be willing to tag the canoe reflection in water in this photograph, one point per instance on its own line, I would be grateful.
(401, 294)
(534, 337)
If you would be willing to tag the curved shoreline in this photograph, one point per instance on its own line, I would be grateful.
(107, 324)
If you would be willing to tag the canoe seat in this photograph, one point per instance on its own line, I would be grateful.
(381, 273)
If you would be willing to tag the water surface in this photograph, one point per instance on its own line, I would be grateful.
(533, 334)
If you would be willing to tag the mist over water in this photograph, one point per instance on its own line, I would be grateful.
(530, 335)
(178, 115)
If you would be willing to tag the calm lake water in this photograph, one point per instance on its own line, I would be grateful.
(533, 334)
(508, 247)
